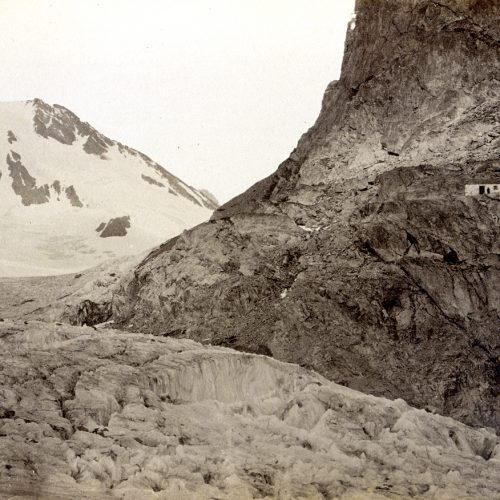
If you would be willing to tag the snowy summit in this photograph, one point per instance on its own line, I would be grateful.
(71, 198)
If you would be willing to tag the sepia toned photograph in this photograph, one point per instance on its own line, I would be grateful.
(249, 249)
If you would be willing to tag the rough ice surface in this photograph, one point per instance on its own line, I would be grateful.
(90, 413)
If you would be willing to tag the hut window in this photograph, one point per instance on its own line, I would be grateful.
(481, 189)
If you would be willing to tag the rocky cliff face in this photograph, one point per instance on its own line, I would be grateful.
(361, 257)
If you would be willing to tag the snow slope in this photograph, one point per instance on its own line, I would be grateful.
(60, 180)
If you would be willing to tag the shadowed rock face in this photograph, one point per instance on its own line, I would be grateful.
(419, 84)
(361, 257)
(73, 197)
(11, 137)
(96, 145)
(23, 184)
(64, 126)
(60, 128)
(61, 124)
(106, 414)
(115, 227)
(152, 181)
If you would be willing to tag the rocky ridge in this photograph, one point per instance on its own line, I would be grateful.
(362, 257)
(64, 126)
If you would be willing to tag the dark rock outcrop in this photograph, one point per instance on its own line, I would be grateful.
(151, 181)
(23, 184)
(361, 257)
(57, 186)
(60, 127)
(73, 197)
(115, 227)
(11, 137)
(90, 313)
(96, 144)
(61, 124)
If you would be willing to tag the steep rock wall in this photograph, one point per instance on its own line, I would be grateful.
(361, 257)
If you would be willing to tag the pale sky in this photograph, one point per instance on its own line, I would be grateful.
(217, 91)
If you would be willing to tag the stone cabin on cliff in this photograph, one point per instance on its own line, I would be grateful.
(483, 189)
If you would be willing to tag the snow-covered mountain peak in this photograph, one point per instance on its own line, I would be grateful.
(61, 124)
(70, 197)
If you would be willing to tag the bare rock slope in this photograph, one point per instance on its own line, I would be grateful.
(361, 257)
(106, 414)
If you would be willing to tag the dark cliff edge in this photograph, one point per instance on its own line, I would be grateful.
(362, 257)
(411, 69)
